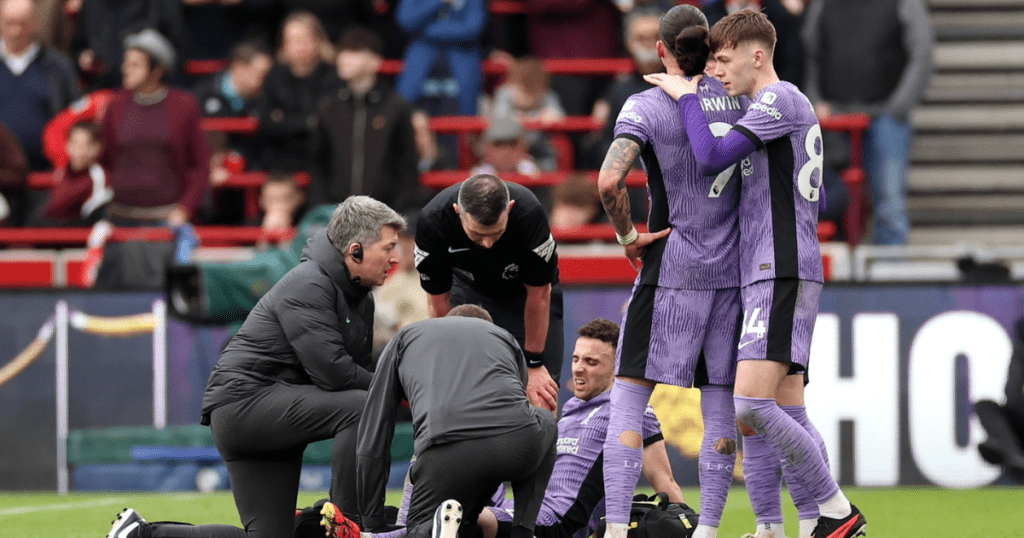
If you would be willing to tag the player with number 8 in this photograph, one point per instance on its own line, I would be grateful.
(780, 264)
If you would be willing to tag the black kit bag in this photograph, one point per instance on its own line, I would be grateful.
(656, 517)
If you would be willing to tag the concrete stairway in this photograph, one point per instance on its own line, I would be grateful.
(967, 176)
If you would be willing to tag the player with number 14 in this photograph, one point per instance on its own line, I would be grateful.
(780, 258)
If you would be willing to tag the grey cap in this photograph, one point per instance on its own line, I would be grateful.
(503, 129)
(154, 44)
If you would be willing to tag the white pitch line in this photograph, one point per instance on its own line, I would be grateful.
(42, 508)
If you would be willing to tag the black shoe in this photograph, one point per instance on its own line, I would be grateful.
(127, 525)
(847, 527)
(992, 452)
(447, 519)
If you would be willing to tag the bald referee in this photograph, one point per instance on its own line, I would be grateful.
(487, 242)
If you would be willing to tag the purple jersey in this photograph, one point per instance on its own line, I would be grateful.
(779, 203)
(702, 251)
(576, 487)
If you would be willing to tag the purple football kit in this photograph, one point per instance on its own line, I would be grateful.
(576, 489)
(686, 298)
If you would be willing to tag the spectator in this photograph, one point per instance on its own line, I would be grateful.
(789, 48)
(443, 28)
(579, 29)
(282, 202)
(505, 150)
(292, 90)
(528, 96)
(365, 140)
(236, 92)
(214, 27)
(576, 202)
(57, 22)
(13, 175)
(233, 92)
(874, 58)
(103, 26)
(336, 15)
(224, 205)
(90, 107)
(81, 188)
(432, 156)
(36, 81)
(154, 150)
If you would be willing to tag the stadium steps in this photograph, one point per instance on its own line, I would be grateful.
(1002, 235)
(967, 163)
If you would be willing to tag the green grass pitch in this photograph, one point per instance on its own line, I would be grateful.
(892, 513)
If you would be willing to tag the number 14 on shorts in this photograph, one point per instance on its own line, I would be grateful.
(753, 326)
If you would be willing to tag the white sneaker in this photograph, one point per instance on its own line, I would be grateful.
(447, 519)
(126, 525)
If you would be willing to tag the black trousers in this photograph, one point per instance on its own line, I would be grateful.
(261, 439)
(510, 315)
(470, 472)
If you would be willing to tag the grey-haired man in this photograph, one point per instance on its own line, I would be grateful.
(296, 372)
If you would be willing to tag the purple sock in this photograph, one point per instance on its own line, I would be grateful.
(622, 464)
(764, 479)
(403, 509)
(794, 443)
(806, 507)
(717, 452)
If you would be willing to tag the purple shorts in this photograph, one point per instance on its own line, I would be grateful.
(680, 337)
(778, 321)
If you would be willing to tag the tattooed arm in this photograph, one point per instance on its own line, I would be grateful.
(611, 181)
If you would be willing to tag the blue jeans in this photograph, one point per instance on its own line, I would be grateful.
(886, 160)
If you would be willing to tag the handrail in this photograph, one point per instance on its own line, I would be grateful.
(244, 180)
(447, 178)
(79, 236)
(595, 67)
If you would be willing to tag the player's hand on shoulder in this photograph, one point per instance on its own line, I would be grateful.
(541, 390)
(635, 249)
(675, 86)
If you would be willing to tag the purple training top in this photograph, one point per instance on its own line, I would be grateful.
(702, 251)
(778, 215)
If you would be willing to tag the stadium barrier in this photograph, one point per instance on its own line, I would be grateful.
(56, 328)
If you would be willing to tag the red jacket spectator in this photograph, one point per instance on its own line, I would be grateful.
(89, 108)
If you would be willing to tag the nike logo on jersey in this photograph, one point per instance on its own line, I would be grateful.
(745, 344)
(454, 250)
(591, 415)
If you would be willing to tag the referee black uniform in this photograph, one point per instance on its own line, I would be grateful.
(496, 277)
(465, 380)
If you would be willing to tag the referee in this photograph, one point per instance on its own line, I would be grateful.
(296, 372)
(487, 242)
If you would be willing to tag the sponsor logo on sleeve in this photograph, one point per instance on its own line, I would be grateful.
(627, 113)
(419, 255)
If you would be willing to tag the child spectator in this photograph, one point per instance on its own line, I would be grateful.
(81, 186)
(528, 97)
(282, 201)
(576, 202)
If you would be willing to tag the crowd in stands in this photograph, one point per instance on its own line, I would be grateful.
(97, 92)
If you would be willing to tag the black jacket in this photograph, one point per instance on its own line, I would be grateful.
(366, 145)
(288, 114)
(314, 327)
